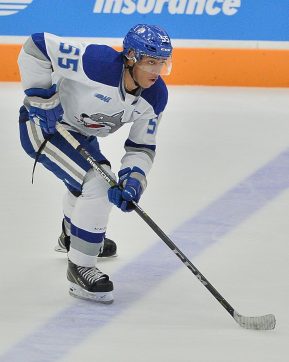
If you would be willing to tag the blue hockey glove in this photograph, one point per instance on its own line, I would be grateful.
(131, 185)
(44, 107)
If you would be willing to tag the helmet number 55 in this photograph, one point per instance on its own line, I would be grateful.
(164, 38)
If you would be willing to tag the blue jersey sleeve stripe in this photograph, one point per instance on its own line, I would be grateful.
(129, 143)
(39, 41)
(40, 92)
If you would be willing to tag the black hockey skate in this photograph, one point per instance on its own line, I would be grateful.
(108, 250)
(89, 283)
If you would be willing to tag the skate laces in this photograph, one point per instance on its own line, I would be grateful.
(91, 274)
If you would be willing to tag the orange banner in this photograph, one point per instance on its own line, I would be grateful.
(199, 66)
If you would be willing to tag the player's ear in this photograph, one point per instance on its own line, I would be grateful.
(130, 58)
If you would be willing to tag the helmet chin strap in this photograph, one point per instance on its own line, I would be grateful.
(130, 69)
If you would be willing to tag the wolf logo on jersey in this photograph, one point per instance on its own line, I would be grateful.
(100, 121)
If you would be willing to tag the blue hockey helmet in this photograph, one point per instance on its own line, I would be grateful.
(150, 41)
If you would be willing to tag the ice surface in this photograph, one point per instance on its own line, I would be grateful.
(219, 188)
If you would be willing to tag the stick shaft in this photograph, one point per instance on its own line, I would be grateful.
(184, 259)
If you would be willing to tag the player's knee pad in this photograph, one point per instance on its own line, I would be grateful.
(92, 208)
(95, 185)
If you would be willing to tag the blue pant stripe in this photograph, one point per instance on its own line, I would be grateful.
(62, 169)
(87, 235)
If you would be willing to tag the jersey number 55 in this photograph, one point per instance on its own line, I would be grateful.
(70, 61)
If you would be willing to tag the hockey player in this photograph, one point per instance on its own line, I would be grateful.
(93, 90)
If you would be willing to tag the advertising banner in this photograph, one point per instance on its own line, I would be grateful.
(262, 20)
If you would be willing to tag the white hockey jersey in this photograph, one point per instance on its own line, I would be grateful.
(89, 80)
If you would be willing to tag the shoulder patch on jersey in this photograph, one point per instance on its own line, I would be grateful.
(103, 64)
(156, 96)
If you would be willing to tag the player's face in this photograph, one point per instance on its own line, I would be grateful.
(144, 78)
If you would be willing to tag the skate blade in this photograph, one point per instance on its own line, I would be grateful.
(98, 297)
(59, 249)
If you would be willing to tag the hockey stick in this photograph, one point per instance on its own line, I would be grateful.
(265, 322)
